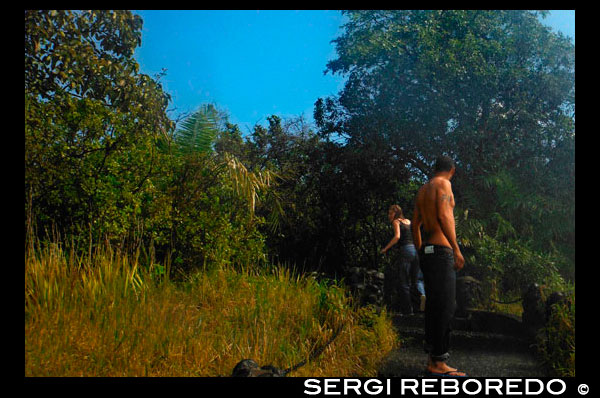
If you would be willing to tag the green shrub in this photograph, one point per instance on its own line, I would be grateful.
(556, 341)
(506, 265)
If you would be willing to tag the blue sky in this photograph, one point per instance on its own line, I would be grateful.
(252, 63)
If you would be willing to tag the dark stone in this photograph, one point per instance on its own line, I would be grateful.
(554, 298)
(249, 368)
(366, 285)
(356, 276)
(493, 322)
(534, 310)
(468, 295)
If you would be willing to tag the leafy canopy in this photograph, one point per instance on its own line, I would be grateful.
(91, 119)
(493, 89)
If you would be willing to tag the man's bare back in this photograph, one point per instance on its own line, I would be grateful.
(427, 203)
(434, 210)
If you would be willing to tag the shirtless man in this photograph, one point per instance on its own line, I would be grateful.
(440, 258)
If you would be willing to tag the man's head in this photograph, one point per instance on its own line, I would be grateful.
(444, 164)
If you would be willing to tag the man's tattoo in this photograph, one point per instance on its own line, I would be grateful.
(446, 197)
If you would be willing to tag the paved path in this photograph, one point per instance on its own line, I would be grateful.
(479, 354)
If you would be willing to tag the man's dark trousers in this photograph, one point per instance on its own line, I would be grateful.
(437, 265)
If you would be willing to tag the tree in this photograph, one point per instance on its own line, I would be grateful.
(493, 89)
(463, 82)
(211, 195)
(335, 196)
(91, 121)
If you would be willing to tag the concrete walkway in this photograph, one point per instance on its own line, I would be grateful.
(479, 354)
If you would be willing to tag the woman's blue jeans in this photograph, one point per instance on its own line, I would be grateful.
(403, 280)
(440, 288)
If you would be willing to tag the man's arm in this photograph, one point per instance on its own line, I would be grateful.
(445, 211)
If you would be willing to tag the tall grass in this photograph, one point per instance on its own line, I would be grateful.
(104, 314)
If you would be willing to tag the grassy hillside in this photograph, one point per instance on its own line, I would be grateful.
(105, 315)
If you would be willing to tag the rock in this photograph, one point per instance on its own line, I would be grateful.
(534, 311)
(554, 298)
(468, 295)
(366, 285)
(249, 368)
(493, 322)
(354, 275)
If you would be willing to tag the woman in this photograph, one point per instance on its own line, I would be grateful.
(402, 275)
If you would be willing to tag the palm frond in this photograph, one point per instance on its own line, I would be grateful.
(197, 135)
(249, 184)
(198, 131)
